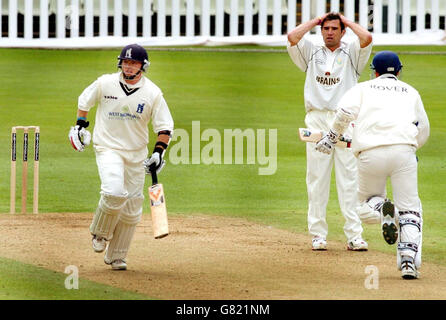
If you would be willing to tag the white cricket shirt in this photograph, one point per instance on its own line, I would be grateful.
(329, 74)
(386, 112)
(124, 111)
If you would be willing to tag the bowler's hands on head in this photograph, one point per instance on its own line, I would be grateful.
(345, 20)
(327, 143)
(79, 136)
(321, 18)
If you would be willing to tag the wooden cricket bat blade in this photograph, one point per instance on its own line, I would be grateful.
(158, 209)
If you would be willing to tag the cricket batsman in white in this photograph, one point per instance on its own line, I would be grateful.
(331, 69)
(390, 125)
(126, 102)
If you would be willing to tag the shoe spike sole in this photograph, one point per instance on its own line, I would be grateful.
(390, 230)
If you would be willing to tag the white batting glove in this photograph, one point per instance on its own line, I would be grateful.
(155, 162)
(327, 143)
(79, 136)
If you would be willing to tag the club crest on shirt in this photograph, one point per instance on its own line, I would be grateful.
(140, 108)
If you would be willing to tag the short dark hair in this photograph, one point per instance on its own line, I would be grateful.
(333, 16)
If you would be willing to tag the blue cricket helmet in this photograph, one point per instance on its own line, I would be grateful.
(386, 62)
(134, 52)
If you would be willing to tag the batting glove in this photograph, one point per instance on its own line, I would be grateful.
(79, 136)
(327, 143)
(155, 162)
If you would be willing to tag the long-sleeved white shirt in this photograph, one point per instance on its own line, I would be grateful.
(124, 111)
(387, 111)
(328, 74)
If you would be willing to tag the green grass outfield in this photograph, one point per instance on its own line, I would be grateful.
(222, 90)
(19, 281)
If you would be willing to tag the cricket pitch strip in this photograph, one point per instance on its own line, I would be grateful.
(212, 257)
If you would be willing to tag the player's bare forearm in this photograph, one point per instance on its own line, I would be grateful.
(82, 114)
(163, 139)
(297, 33)
(365, 37)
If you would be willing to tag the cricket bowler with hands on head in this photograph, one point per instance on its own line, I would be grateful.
(331, 69)
(390, 125)
(127, 101)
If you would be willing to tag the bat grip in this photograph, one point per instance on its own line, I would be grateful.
(154, 175)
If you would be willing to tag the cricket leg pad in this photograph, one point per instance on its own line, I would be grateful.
(370, 211)
(130, 216)
(106, 216)
(410, 240)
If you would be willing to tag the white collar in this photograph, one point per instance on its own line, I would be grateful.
(341, 47)
(387, 76)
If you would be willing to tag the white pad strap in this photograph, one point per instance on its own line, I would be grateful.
(408, 221)
(342, 120)
(125, 229)
(106, 216)
(408, 246)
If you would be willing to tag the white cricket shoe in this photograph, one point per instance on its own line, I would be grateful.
(319, 244)
(388, 222)
(119, 264)
(99, 244)
(408, 269)
(357, 244)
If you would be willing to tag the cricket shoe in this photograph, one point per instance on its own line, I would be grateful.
(319, 244)
(117, 264)
(357, 244)
(408, 269)
(388, 222)
(99, 244)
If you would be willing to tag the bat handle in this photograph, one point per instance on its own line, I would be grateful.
(154, 175)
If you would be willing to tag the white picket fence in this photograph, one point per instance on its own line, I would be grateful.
(193, 19)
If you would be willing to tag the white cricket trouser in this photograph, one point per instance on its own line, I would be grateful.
(121, 172)
(400, 164)
(122, 177)
(397, 162)
(319, 166)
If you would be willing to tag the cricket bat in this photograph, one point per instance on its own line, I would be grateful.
(158, 209)
(308, 135)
